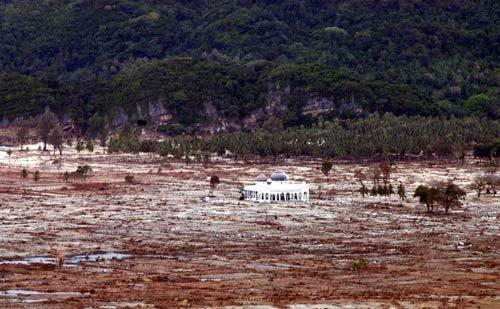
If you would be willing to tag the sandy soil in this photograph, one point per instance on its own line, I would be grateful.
(107, 244)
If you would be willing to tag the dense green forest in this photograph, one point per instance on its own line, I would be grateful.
(85, 57)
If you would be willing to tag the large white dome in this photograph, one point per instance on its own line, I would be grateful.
(279, 175)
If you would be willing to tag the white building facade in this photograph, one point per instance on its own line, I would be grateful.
(278, 188)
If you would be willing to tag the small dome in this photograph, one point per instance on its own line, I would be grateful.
(279, 175)
(261, 178)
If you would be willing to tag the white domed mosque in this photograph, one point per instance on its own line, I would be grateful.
(278, 188)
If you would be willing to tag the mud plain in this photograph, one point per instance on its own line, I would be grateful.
(104, 243)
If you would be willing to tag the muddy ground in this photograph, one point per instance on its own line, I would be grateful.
(104, 243)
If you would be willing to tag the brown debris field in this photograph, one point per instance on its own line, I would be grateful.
(157, 243)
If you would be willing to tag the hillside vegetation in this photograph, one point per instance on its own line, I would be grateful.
(418, 57)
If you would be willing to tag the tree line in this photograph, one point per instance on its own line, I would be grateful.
(386, 137)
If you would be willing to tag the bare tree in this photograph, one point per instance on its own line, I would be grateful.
(479, 184)
(360, 177)
(56, 139)
(46, 122)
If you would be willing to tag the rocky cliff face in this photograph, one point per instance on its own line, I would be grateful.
(277, 103)
(321, 105)
(318, 105)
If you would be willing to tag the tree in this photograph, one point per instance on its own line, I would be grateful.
(46, 122)
(205, 157)
(84, 171)
(363, 190)
(129, 179)
(479, 105)
(22, 133)
(98, 129)
(360, 177)
(401, 191)
(56, 139)
(483, 151)
(375, 174)
(326, 167)
(9, 153)
(446, 194)
(273, 124)
(214, 182)
(103, 138)
(386, 171)
(24, 173)
(493, 182)
(66, 176)
(96, 124)
(89, 145)
(479, 184)
(452, 194)
(79, 146)
(422, 192)
(36, 176)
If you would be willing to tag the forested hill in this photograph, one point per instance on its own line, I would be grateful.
(228, 58)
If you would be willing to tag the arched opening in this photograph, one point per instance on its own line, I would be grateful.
(288, 196)
(296, 196)
(305, 196)
(267, 196)
(300, 196)
(282, 196)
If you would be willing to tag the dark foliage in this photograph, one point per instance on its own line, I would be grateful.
(405, 57)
